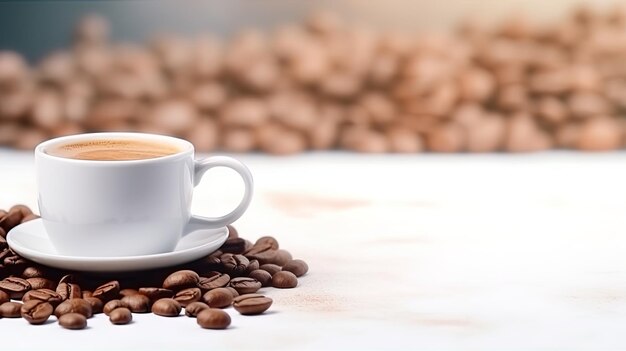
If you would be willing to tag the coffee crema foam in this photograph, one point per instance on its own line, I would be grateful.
(113, 150)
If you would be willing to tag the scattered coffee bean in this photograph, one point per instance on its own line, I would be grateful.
(136, 303)
(267, 241)
(77, 305)
(284, 280)
(128, 292)
(73, 321)
(36, 311)
(69, 291)
(156, 293)
(111, 305)
(45, 295)
(282, 257)
(297, 267)
(262, 276)
(252, 304)
(234, 246)
(218, 298)
(96, 304)
(245, 285)
(213, 281)
(235, 265)
(11, 310)
(107, 291)
(212, 318)
(41, 283)
(121, 315)
(271, 268)
(15, 287)
(4, 297)
(194, 308)
(187, 296)
(181, 280)
(232, 291)
(252, 266)
(34, 272)
(167, 307)
(87, 293)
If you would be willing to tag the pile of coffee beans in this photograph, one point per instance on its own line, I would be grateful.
(327, 84)
(230, 276)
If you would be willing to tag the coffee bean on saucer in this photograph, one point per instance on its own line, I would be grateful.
(181, 280)
(264, 277)
(73, 321)
(41, 283)
(4, 297)
(187, 296)
(235, 265)
(271, 268)
(267, 241)
(167, 307)
(212, 318)
(297, 267)
(284, 280)
(194, 308)
(107, 291)
(96, 304)
(77, 305)
(45, 295)
(245, 285)
(36, 311)
(213, 280)
(121, 315)
(218, 298)
(69, 291)
(156, 293)
(11, 310)
(252, 304)
(111, 305)
(282, 257)
(128, 292)
(136, 303)
(15, 287)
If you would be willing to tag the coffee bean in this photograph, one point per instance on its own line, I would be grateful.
(15, 287)
(73, 321)
(69, 291)
(235, 265)
(194, 308)
(252, 304)
(297, 267)
(232, 232)
(212, 318)
(284, 280)
(128, 292)
(41, 283)
(181, 280)
(10, 310)
(111, 305)
(218, 298)
(34, 272)
(245, 285)
(267, 241)
(45, 295)
(12, 218)
(262, 276)
(282, 257)
(271, 268)
(262, 253)
(232, 291)
(87, 293)
(36, 311)
(76, 305)
(4, 297)
(235, 246)
(96, 304)
(107, 291)
(136, 303)
(252, 266)
(156, 293)
(121, 315)
(213, 281)
(166, 307)
(187, 296)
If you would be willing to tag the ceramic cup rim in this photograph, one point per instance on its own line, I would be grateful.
(186, 148)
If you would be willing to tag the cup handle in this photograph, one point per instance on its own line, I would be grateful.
(203, 165)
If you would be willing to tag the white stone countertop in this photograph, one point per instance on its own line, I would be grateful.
(458, 252)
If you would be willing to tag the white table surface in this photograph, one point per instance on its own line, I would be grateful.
(485, 252)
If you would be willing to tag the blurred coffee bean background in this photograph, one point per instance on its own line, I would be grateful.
(284, 77)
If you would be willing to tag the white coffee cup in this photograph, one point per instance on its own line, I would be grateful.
(125, 208)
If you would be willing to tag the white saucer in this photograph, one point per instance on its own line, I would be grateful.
(31, 241)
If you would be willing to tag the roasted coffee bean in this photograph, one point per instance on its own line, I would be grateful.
(212, 318)
(36, 311)
(73, 321)
(194, 308)
(181, 280)
(234, 246)
(96, 304)
(262, 276)
(297, 267)
(41, 283)
(218, 298)
(107, 291)
(87, 293)
(284, 280)
(232, 232)
(15, 287)
(76, 305)
(128, 292)
(69, 291)
(3, 242)
(267, 240)
(252, 304)
(45, 295)
(215, 280)
(11, 310)
(245, 285)
(232, 291)
(12, 218)
(187, 296)
(156, 293)
(271, 268)
(4, 297)
(111, 305)
(282, 257)
(121, 315)
(136, 303)
(14, 260)
(262, 253)
(235, 265)
(166, 307)
(34, 272)
(252, 266)
(68, 278)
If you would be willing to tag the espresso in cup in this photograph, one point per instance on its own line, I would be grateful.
(113, 149)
